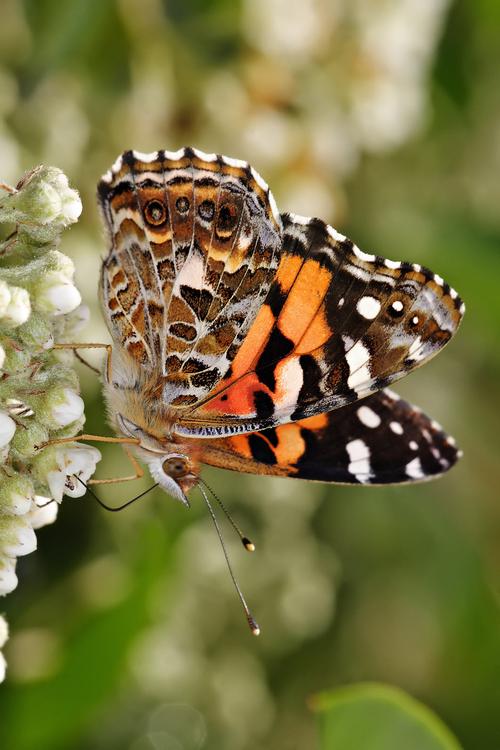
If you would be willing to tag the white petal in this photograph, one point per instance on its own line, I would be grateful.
(21, 539)
(43, 516)
(4, 632)
(4, 297)
(19, 307)
(3, 667)
(57, 296)
(56, 481)
(69, 410)
(7, 429)
(8, 578)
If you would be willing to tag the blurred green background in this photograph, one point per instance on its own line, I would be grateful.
(382, 117)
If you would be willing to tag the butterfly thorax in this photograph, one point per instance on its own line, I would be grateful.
(172, 461)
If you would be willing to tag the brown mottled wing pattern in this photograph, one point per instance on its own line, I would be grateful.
(382, 440)
(195, 244)
(337, 324)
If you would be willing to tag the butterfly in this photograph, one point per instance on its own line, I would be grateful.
(257, 341)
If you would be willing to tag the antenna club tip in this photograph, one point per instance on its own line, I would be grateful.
(248, 544)
(253, 626)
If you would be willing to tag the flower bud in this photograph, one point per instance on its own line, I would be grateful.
(47, 513)
(4, 297)
(43, 197)
(19, 308)
(8, 578)
(16, 495)
(74, 461)
(7, 428)
(71, 203)
(66, 407)
(4, 632)
(56, 295)
(17, 536)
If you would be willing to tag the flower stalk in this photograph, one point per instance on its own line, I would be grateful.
(40, 305)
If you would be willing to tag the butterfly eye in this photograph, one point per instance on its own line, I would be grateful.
(155, 212)
(182, 204)
(227, 219)
(175, 467)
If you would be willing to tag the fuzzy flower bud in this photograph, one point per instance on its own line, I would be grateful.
(19, 308)
(7, 428)
(17, 535)
(43, 197)
(67, 407)
(4, 297)
(16, 494)
(44, 511)
(8, 578)
(57, 295)
(55, 292)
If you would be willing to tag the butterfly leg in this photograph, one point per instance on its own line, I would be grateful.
(124, 441)
(139, 472)
(75, 347)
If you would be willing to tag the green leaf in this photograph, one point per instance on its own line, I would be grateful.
(378, 717)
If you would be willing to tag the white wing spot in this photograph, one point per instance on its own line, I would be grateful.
(368, 417)
(397, 306)
(413, 445)
(414, 469)
(341, 302)
(359, 456)
(291, 376)
(368, 307)
(396, 427)
(392, 263)
(358, 359)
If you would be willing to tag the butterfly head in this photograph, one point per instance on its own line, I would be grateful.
(169, 464)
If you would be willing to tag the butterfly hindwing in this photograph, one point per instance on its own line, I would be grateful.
(381, 440)
(337, 324)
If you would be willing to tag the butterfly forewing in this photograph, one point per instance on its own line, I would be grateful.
(195, 247)
(337, 325)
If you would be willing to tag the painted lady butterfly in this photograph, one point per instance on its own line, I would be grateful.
(258, 341)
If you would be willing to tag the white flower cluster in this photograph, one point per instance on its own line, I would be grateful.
(39, 400)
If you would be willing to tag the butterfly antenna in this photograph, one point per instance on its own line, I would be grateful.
(119, 507)
(246, 542)
(251, 622)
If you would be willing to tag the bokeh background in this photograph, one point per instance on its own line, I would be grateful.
(382, 117)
